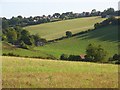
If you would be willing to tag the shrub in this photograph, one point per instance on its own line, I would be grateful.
(23, 45)
(64, 57)
(70, 57)
(10, 54)
(87, 58)
(74, 58)
(69, 34)
(116, 57)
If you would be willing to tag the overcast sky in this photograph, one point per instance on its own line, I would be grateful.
(27, 8)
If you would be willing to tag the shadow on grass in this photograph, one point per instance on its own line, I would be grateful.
(109, 33)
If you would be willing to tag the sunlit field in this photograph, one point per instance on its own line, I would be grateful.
(39, 73)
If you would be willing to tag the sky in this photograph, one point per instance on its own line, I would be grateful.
(26, 8)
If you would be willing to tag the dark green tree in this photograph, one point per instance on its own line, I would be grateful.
(5, 24)
(68, 34)
(96, 54)
(11, 35)
(64, 57)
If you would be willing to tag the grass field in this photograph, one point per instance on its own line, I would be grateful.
(8, 48)
(107, 37)
(57, 29)
(38, 73)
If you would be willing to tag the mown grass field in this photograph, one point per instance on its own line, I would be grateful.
(107, 37)
(38, 73)
(57, 29)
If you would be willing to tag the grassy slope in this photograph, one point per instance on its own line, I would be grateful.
(57, 29)
(38, 73)
(107, 37)
(8, 48)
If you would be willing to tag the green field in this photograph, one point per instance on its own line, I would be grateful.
(107, 37)
(8, 48)
(19, 72)
(57, 29)
(38, 73)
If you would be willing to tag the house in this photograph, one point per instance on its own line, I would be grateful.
(82, 56)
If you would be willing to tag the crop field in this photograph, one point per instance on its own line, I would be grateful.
(57, 29)
(107, 37)
(41, 73)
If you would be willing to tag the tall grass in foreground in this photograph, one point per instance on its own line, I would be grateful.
(38, 73)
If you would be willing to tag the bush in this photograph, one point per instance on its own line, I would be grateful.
(10, 54)
(74, 58)
(70, 57)
(23, 45)
(115, 59)
(69, 34)
(64, 57)
(87, 58)
(118, 62)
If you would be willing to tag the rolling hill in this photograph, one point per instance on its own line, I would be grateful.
(107, 37)
(10, 49)
(57, 29)
(19, 72)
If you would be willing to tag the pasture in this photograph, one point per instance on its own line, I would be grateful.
(20, 72)
(10, 49)
(107, 37)
(57, 29)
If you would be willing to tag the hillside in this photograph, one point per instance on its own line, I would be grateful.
(38, 73)
(57, 29)
(10, 49)
(107, 37)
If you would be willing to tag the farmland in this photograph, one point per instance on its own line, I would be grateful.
(39, 73)
(107, 37)
(56, 44)
(57, 29)
(20, 72)
(9, 49)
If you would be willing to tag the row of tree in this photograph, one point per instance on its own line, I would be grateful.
(70, 57)
(93, 54)
(21, 38)
(23, 21)
(109, 21)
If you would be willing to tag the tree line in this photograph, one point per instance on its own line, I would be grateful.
(18, 36)
(23, 21)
